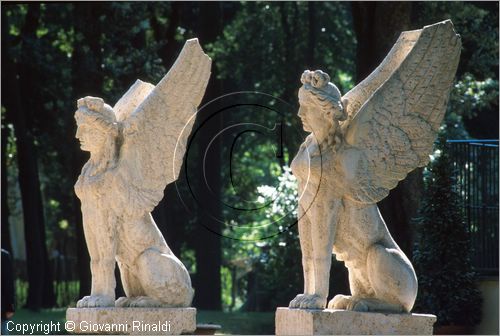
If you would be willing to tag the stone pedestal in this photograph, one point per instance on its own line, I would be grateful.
(344, 322)
(131, 321)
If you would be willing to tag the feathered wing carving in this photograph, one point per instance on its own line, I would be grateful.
(358, 95)
(393, 132)
(155, 133)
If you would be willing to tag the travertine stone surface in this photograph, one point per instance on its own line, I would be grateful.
(136, 149)
(361, 145)
(132, 321)
(344, 322)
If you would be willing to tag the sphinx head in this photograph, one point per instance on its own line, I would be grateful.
(320, 101)
(97, 128)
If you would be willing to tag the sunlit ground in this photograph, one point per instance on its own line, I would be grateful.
(232, 323)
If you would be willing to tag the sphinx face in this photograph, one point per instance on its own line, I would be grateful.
(312, 117)
(303, 114)
(91, 139)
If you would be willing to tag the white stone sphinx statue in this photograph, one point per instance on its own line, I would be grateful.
(361, 146)
(136, 149)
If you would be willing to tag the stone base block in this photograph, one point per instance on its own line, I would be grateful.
(344, 322)
(131, 321)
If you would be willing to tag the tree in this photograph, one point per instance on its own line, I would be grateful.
(279, 36)
(87, 79)
(22, 101)
(208, 244)
(6, 243)
(474, 101)
(442, 250)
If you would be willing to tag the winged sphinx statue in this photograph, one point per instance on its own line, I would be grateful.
(361, 146)
(136, 149)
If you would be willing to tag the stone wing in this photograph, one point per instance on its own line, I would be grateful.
(358, 95)
(157, 122)
(394, 130)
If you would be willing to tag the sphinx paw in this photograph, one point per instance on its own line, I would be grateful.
(308, 301)
(139, 301)
(340, 302)
(92, 301)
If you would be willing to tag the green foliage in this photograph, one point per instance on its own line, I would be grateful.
(476, 102)
(442, 251)
(283, 251)
(66, 293)
(130, 50)
(472, 100)
(225, 275)
(473, 106)
(473, 21)
(278, 37)
(264, 260)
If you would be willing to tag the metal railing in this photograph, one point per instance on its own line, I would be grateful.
(476, 163)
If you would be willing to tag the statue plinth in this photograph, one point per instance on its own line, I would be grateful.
(343, 322)
(131, 321)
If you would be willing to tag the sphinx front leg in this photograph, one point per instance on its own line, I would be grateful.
(307, 260)
(322, 237)
(322, 265)
(102, 266)
(103, 285)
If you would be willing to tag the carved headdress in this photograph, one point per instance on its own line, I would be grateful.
(324, 93)
(93, 110)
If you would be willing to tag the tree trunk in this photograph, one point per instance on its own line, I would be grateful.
(171, 47)
(207, 244)
(377, 26)
(6, 243)
(311, 41)
(22, 77)
(288, 51)
(87, 80)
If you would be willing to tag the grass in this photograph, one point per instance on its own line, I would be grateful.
(232, 323)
